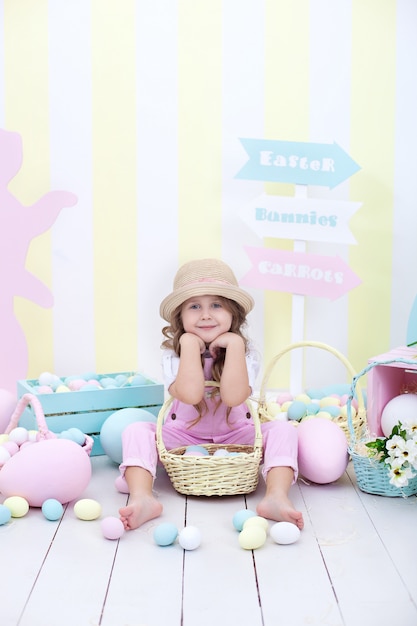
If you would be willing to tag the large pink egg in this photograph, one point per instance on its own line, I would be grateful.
(52, 468)
(322, 450)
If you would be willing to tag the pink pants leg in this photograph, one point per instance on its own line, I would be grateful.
(280, 444)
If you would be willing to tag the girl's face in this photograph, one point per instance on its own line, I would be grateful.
(206, 316)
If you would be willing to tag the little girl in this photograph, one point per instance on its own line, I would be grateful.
(204, 340)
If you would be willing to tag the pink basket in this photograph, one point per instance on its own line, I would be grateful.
(50, 467)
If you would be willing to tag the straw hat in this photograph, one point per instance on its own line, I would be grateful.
(204, 277)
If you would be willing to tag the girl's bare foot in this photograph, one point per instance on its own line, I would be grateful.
(139, 510)
(280, 510)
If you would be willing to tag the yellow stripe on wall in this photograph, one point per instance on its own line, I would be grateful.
(199, 129)
(286, 118)
(114, 184)
(372, 147)
(26, 112)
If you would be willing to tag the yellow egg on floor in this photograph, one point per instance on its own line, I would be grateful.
(256, 520)
(87, 509)
(17, 506)
(252, 537)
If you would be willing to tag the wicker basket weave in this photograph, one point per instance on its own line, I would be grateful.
(357, 421)
(212, 475)
(371, 475)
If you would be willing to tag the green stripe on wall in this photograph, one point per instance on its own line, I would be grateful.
(114, 184)
(26, 112)
(372, 147)
(199, 129)
(286, 118)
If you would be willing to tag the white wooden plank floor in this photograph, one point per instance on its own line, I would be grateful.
(355, 563)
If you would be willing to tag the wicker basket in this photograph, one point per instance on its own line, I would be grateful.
(360, 417)
(227, 476)
(212, 475)
(371, 475)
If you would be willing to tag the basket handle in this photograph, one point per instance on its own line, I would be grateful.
(354, 386)
(43, 430)
(309, 344)
(208, 383)
(25, 400)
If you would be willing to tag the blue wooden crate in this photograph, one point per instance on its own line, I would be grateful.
(88, 410)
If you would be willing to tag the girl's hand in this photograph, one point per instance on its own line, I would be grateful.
(189, 339)
(224, 341)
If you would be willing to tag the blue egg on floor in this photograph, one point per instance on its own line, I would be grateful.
(240, 517)
(5, 514)
(165, 534)
(52, 509)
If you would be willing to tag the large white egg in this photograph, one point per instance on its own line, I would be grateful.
(402, 409)
(285, 532)
(189, 538)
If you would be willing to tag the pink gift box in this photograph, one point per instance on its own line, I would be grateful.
(387, 380)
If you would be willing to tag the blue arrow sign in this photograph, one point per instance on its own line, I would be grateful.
(322, 164)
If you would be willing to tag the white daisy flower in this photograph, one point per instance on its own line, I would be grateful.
(400, 475)
(395, 446)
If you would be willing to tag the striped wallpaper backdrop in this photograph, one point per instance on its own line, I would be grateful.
(137, 107)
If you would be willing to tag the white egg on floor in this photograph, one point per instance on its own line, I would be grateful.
(189, 538)
(284, 532)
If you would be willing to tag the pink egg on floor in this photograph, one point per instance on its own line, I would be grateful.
(121, 484)
(112, 528)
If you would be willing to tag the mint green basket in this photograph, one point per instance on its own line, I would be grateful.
(371, 475)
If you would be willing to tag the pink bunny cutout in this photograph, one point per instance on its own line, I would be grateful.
(19, 224)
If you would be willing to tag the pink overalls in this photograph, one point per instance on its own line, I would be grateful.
(279, 437)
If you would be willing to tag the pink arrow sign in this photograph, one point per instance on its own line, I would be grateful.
(299, 273)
